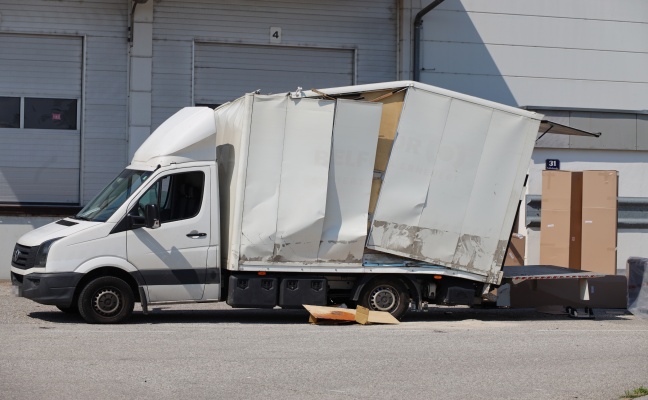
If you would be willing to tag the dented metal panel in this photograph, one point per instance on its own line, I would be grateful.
(454, 206)
(355, 135)
(265, 158)
(412, 159)
(304, 179)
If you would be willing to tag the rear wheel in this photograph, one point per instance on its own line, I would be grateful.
(385, 294)
(106, 300)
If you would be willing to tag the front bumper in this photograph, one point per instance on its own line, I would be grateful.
(55, 289)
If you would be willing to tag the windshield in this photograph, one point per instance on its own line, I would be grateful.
(113, 196)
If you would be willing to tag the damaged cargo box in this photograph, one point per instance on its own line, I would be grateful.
(298, 172)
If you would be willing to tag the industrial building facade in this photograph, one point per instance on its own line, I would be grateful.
(83, 83)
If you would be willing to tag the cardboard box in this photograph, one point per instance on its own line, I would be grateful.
(599, 221)
(610, 291)
(515, 253)
(560, 221)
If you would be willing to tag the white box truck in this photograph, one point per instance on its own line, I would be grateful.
(389, 195)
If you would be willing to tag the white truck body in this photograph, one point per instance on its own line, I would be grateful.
(301, 172)
(370, 201)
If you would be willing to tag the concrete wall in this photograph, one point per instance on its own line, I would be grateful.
(577, 53)
(11, 229)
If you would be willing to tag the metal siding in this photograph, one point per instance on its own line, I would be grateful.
(224, 72)
(476, 22)
(172, 79)
(103, 105)
(585, 49)
(368, 26)
(642, 132)
(40, 66)
(632, 10)
(533, 62)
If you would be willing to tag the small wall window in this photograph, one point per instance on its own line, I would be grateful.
(9, 112)
(38, 113)
(50, 113)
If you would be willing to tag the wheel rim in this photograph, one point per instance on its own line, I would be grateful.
(384, 298)
(107, 301)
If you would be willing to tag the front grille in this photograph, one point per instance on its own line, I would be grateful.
(23, 257)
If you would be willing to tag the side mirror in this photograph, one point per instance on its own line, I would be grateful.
(152, 216)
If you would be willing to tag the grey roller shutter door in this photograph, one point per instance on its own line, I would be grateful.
(223, 72)
(40, 165)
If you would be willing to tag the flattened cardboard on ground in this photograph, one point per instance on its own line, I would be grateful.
(321, 314)
(327, 315)
(609, 291)
(599, 221)
(560, 231)
(365, 316)
(515, 253)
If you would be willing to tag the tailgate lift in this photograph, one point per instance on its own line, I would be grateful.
(515, 275)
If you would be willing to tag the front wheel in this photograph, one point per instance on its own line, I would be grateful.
(106, 300)
(385, 294)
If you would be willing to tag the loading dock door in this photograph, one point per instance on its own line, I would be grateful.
(40, 104)
(224, 72)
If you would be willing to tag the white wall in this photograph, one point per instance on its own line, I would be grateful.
(578, 53)
(11, 229)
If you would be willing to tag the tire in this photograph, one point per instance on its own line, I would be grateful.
(385, 294)
(106, 300)
(73, 309)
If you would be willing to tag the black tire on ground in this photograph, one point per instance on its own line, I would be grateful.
(385, 294)
(106, 300)
(73, 309)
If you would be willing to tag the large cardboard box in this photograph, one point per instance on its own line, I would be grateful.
(515, 252)
(599, 221)
(560, 231)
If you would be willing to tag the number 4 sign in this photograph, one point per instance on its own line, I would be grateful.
(275, 34)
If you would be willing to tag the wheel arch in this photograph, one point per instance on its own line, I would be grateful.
(412, 287)
(132, 278)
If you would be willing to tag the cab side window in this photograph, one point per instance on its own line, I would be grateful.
(178, 196)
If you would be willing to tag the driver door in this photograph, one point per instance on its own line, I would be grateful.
(173, 258)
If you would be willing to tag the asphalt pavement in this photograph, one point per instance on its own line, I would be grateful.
(211, 351)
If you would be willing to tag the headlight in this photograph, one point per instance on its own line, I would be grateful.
(43, 251)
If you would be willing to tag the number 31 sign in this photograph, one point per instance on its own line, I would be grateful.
(552, 164)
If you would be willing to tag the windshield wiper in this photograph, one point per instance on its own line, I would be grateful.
(81, 218)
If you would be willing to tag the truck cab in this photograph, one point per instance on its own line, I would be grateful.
(151, 235)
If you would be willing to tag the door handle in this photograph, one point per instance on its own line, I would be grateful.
(196, 235)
